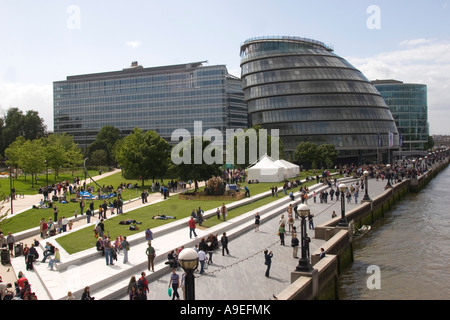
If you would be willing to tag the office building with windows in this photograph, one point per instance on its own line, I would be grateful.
(301, 87)
(409, 107)
(162, 99)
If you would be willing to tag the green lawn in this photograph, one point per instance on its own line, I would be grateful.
(30, 218)
(84, 238)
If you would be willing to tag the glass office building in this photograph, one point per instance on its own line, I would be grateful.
(301, 87)
(408, 104)
(161, 99)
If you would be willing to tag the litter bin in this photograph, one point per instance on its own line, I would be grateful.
(18, 250)
(5, 256)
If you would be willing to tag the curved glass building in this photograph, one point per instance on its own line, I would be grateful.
(301, 87)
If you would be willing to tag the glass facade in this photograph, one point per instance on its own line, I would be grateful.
(161, 99)
(408, 104)
(301, 87)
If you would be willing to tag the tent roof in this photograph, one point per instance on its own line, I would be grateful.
(286, 164)
(265, 162)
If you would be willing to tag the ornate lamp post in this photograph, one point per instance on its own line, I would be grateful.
(366, 196)
(303, 263)
(188, 259)
(343, 222)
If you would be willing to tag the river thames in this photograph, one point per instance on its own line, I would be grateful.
(406, 255)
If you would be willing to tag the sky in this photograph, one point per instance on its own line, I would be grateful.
(47, 40)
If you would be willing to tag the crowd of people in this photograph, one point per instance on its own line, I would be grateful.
(392, 174)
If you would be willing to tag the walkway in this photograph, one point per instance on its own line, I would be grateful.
(244, 266)
(8, 273)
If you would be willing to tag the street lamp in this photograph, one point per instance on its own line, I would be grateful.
(303, 263)
(11, 187)
(188, 259)
(388, 175)
(343, 221)
(366, 196)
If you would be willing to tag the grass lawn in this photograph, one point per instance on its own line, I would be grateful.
(32, 217)
(24, 184)
(85, 239)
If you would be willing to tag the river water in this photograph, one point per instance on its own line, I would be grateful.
(406, 254)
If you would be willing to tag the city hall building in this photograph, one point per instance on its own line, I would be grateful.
(162, 99)
(301, 87)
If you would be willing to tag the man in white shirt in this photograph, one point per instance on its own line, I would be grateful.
(65, 221)
(202, 259)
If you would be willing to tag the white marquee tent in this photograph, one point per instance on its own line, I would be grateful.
(290, 170)
(266, 170)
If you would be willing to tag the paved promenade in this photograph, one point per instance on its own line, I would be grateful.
(237, 276)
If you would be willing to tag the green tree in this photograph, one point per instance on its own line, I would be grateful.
(16, 124)
(14, 152)
(58, 147)
(144, 155)
(105, 140)
(306, 154)
(327, 155)
(33, 161)
(74, 157)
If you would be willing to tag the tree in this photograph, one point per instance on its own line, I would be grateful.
(144, 155)
(306, 154)
(327, 155)
(74, 157)
(58, 147)
(14, 152)
(105, 140)
(16, 124)
(34, 161)
(190, 170)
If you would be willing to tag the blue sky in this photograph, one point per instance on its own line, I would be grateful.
(45, 41)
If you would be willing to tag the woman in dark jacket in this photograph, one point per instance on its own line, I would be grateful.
(86, 294)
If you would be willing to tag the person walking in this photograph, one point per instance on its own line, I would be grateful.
(126, 247)
(142, 285)
(224, 241)
(148, 235)
(257, 221)
(132, 288)
(311, 221)
(294, 244)
(108, 251)
(224, 212)
(268, 261)
(201, 259)
(150, 252)
(81, 206)
(88, 215)
(175, 282)
(192, 227)
(281, 232)
(10, 241)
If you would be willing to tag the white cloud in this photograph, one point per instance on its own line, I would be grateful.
(28, 97)
(424, 61)
(133, 44)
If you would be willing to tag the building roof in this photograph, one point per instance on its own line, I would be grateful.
(137, 70)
